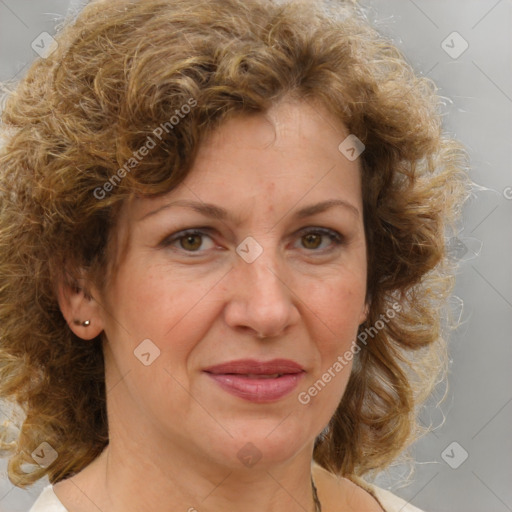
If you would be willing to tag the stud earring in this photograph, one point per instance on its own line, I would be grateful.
(85, 323)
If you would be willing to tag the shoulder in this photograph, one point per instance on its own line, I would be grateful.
(47, 501)
(338, 493)
(388, 501)
(355, 494)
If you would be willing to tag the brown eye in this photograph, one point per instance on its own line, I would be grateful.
(320, 239)
(191, 242)
(312, 241)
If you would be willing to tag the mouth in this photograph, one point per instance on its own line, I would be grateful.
(257, 368)
(257, 381)
(260, 376)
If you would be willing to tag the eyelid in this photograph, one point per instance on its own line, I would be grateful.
(324, 231)
(202, 231)
(336, 237)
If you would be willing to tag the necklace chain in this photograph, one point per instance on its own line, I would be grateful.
(318, 506)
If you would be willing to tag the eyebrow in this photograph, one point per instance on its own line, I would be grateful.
(217, 212)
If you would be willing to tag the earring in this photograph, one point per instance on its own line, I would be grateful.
(85, 323)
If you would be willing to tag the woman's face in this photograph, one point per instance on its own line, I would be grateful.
(246, 246)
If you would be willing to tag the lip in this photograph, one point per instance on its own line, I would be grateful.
(257, 381)
(253, 366)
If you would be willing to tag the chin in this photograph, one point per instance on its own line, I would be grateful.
(265, 445)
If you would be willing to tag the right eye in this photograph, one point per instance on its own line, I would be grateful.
(190, 241)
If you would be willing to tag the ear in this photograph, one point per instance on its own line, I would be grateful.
(78, 307)
(364, 313)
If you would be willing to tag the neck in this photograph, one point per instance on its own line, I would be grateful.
(157, 484)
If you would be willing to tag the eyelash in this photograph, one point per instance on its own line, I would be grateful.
(336, 238)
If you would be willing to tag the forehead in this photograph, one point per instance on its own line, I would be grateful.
(286, 156)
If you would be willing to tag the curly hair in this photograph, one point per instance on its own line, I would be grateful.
(120, 70)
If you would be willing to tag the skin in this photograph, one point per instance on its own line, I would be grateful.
(174, 433)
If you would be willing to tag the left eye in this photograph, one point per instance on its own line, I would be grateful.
(312, 240)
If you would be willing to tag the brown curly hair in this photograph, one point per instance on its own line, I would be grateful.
(119, 71)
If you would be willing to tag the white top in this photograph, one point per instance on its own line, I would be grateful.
(48, 501)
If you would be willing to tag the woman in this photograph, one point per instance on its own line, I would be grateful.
(223, 259)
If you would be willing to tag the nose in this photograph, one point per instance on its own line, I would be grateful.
(262, 301)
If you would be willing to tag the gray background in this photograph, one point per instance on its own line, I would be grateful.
(477, 85)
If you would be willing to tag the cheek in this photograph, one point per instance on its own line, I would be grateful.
(153, 302)
(337, 305)
(153, 295)
(335, 313)
(337, 321)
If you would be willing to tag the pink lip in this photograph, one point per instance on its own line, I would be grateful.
(245, 378)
